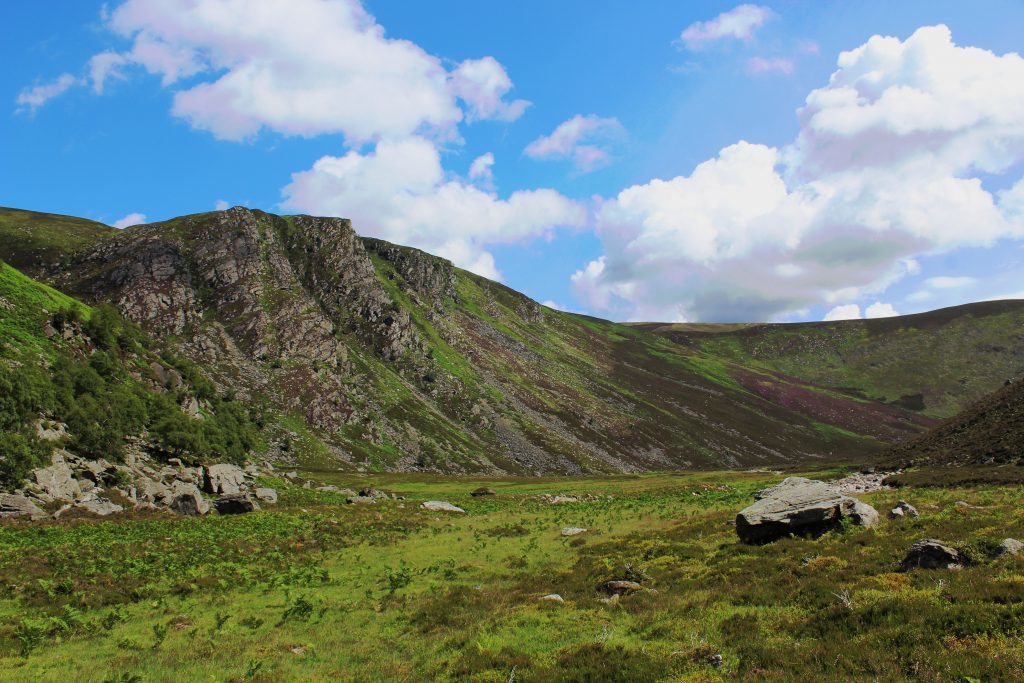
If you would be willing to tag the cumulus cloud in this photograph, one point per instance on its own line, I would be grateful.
(399, 192)
(739, 23)
(303, 67)
(481, 168)
(30, 99)
(482, 84)
(885, 168)
(585, 140)
(880, 310)
(949, 282)
(221, 205)
(844, 312)
(130, 220)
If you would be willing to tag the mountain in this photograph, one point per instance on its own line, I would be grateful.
(361, 354)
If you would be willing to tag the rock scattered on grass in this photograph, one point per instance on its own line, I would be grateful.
(929, 553)
(1010, 546)
(573, 531)
(551, 597)
(620, 587)
(266, 495)
(903, 509)
(235, 504)
(441, 506)
(12, 505)
(483, 491)
(360, 500)
(799, 506)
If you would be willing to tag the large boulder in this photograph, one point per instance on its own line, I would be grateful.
(799, 506)
(1010, 546)
(57, 482)
(929, 553)
(12, 505)
(188, 501)
(235, 504)
(223, 478)
(99, 506)
(266, 495)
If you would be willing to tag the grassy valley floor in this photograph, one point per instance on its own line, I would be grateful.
(316, 590)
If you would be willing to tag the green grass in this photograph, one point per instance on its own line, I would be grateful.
(314, 590)
(25, 306)
(30, 240)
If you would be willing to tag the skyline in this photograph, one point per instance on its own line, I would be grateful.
(716, 162)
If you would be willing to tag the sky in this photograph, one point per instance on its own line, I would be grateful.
(673, 161)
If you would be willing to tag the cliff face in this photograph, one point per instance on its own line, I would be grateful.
(364, 354)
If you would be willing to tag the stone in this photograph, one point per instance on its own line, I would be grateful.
(330, 488)
(482, 491)
(555, 500)
(266, 495)
(372, 493)
(573, 531)
(551, 597)
(190, 503)
(235, 504)
(799, 506)
(57, 482)
(929, 553)
(620, 587)
(223, 478)
(360, 500)
(903, 508)
(1010, 546)
(441, 506)
(12, 505)
(99, 506)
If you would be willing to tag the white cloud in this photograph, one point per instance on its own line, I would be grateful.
(583, 139)
(884, 169)
(880, 310)
(482, 83)
(31, 99)
(949, 282)
(764, 65)
(221, 205)
(481, 167)
(399, 193)
(554, 304)
(130, 220)
(845, 312)
(303, 67)
(739, 23)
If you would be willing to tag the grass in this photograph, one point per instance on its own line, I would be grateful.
(311, 589)
(25, 306)
(30, 240)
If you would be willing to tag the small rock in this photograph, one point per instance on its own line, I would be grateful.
(929, 553)
(360, 500)
(551, 597)
(483, 491)
(617, 587)
(555, 500)
(573, 531)
(372, 493)
(12, 505)
(235, 504)
(266, 495)
(1010, 546)
(905, 509)
(715, 660)
(441, 506)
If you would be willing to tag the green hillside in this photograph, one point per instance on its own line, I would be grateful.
(33, 241)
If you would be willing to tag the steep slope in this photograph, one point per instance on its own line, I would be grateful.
(931, 363)
(369, 355)
(988, 432)
(34, 242)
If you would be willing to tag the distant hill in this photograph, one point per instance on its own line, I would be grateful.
(360, 354)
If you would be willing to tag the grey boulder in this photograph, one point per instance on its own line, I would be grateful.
(12, 505)
(441, 506)
(929, 553)
(1010, 546)
(799, 506)
(235, 504)
(266, 495)
(224, 478)
(190, 503)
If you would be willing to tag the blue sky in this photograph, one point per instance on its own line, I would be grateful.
(905, 200)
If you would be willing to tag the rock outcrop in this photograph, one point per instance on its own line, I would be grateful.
(929, 553)
(799, 506)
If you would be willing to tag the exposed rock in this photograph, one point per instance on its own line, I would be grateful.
(551, 597)
(929, 553)
(56, 482)
(235, 504)
(555, 500)
(573, 531)
(99, 506)
(620, 587)
(482, 491)
(224, 478)
(441, 506)
(1010, 546)
(903, 509)
(266, 495)
(190, 503)
(799, 505)
(372, 493)
(12, 505)
(330, 488)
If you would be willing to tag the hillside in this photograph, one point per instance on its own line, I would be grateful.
(34, 242)
(933, 364)
(365, 355)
